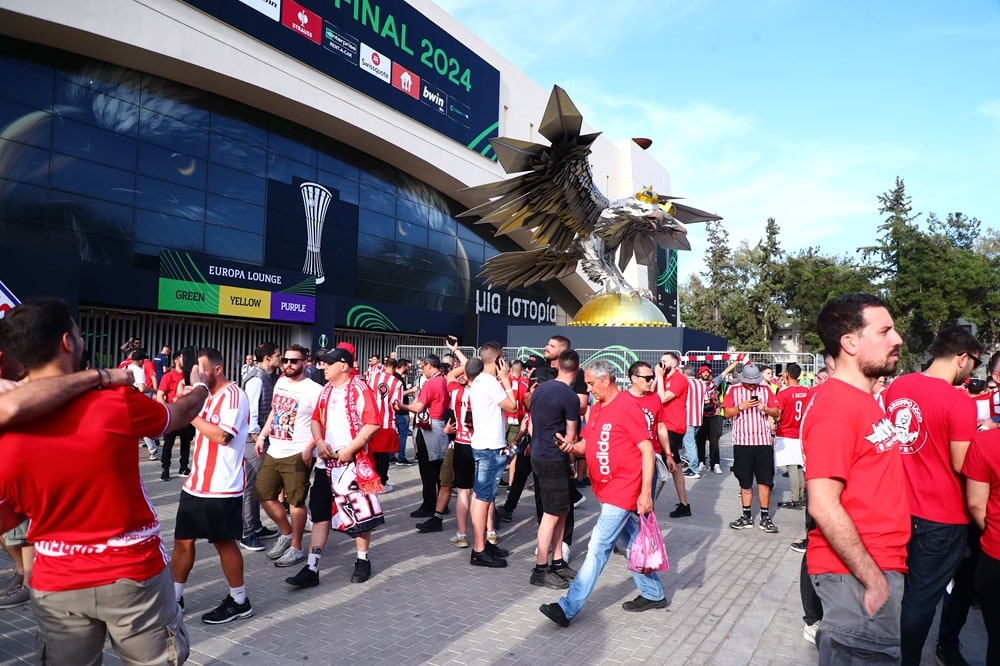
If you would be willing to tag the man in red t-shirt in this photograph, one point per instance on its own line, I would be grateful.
(167, 393)
(982, 472)
(934, 423)
(856, 556)
(672, 387)
(788, 434)
(430, 442)
(99, 563)
(749, 403)
(619, 454)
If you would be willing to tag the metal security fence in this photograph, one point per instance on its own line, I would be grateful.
(105, 330)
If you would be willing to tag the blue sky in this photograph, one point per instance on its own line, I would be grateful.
(801, 111)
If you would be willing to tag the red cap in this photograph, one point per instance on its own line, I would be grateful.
(705, 368)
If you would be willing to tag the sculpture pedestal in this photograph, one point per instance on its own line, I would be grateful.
(620, 310)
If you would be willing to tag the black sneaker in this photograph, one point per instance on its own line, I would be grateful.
(421, 513)
(304, 578)
(792, 505)
(184, 471)
(548, 578)
(266, 533)
(641, 603)
(403, 462)
(506, 516)
(251, 543)
(487, 559)
(555, 613)
(165, 475)
(228, 611)
(497, 550)
(566, 572)
(944, 656)
(362, 571)
(682, 511)
(799, 546)
(432, 524)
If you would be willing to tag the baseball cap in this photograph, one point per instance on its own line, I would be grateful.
(139, 354)
(336, 356)
(705, 368)
(751, 375)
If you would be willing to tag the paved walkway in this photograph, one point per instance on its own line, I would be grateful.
(733, 596)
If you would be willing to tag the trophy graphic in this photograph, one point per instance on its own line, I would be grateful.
(316, 200)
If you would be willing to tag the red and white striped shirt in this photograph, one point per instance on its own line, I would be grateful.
(520, 386)
(217, 470)
(697, 390)
(387, 389)
(750, 426)
(458, 394)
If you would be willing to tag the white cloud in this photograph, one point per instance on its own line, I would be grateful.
(991, 110)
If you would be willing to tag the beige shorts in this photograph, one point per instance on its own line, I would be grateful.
(16, 536)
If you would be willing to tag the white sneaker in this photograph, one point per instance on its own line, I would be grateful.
(281, 544)
(387, 488)
(459, 541)
(291, 557)
(809, 632)
(702, 467)
(565, 552)
(717, 468)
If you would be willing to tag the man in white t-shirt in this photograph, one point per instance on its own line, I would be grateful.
(288, 430)
(211, 503)
(141, 382)
(489, 399)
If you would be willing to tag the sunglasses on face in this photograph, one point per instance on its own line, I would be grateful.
(292, 360)
(648, 378)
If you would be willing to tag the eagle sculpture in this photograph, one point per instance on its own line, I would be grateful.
(571, 222)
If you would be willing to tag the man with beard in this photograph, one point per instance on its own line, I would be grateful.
(942, 424)
(857, 487)
(171, 381)
(259, 387)
(99, 568)
(289, 432)
(211, 501)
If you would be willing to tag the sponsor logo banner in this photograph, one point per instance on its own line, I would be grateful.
(296, 17)
(340, 42)
(269, 8)
(459, 112)
(405, 80)
(375, 63)
(433, 97)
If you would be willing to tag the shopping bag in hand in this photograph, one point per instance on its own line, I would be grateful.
(648, 554)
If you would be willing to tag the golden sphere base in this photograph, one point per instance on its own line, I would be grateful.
(619, 310)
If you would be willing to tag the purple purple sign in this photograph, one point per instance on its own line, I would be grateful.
(291, 307)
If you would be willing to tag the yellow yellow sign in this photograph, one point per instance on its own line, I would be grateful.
(238, 302)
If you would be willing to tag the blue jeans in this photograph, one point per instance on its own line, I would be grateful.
(490, 464)
(403, 426)
(932, 556)
(613, 525)
(691, 448)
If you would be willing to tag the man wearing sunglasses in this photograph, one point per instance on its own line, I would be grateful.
(935, 423)
(288, 430)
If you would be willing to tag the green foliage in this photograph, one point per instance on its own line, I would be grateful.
(931, 275)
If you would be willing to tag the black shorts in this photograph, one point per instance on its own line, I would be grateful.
(552, 485)
(465, 466)
(321, 497)
(214, 518)
(753, 462)
(676, 444)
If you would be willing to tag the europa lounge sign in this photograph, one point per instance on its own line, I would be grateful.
(205, 285)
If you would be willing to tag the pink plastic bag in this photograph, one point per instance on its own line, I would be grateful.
(648, 553)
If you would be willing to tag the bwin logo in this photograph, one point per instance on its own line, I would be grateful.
(433, 98)
(406, 82)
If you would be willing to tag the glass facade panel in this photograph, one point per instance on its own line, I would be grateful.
(91, 143)
(379, 201)
(292, 141)
(23, 124)
(25, 84)
(169, 132)
(170, 198)
(102, 108)
(378, 225)
(411, 234)
(239, 122)
(83, 215)
(236, 184)
(159, 231)
(232, 244)
(27, 164)
(93, 179)
(166, 164)
(236, 155)
(348, 191)
(285, 170)
(234, 214)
